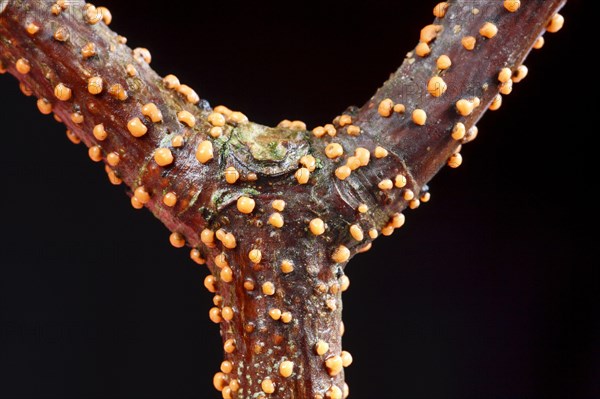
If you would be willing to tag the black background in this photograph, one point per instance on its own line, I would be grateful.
(489, 291)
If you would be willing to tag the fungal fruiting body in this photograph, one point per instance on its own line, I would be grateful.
(274, 213)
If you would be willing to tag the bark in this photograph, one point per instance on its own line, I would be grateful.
(277, 308)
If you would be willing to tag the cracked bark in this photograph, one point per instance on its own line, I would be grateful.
(312, 291)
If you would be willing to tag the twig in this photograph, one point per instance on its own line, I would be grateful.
(276, 213)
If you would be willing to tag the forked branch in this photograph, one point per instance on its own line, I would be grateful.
(276, 213)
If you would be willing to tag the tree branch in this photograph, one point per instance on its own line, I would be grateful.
(275, 212)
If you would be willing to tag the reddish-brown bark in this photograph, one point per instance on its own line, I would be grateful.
(250, 292)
